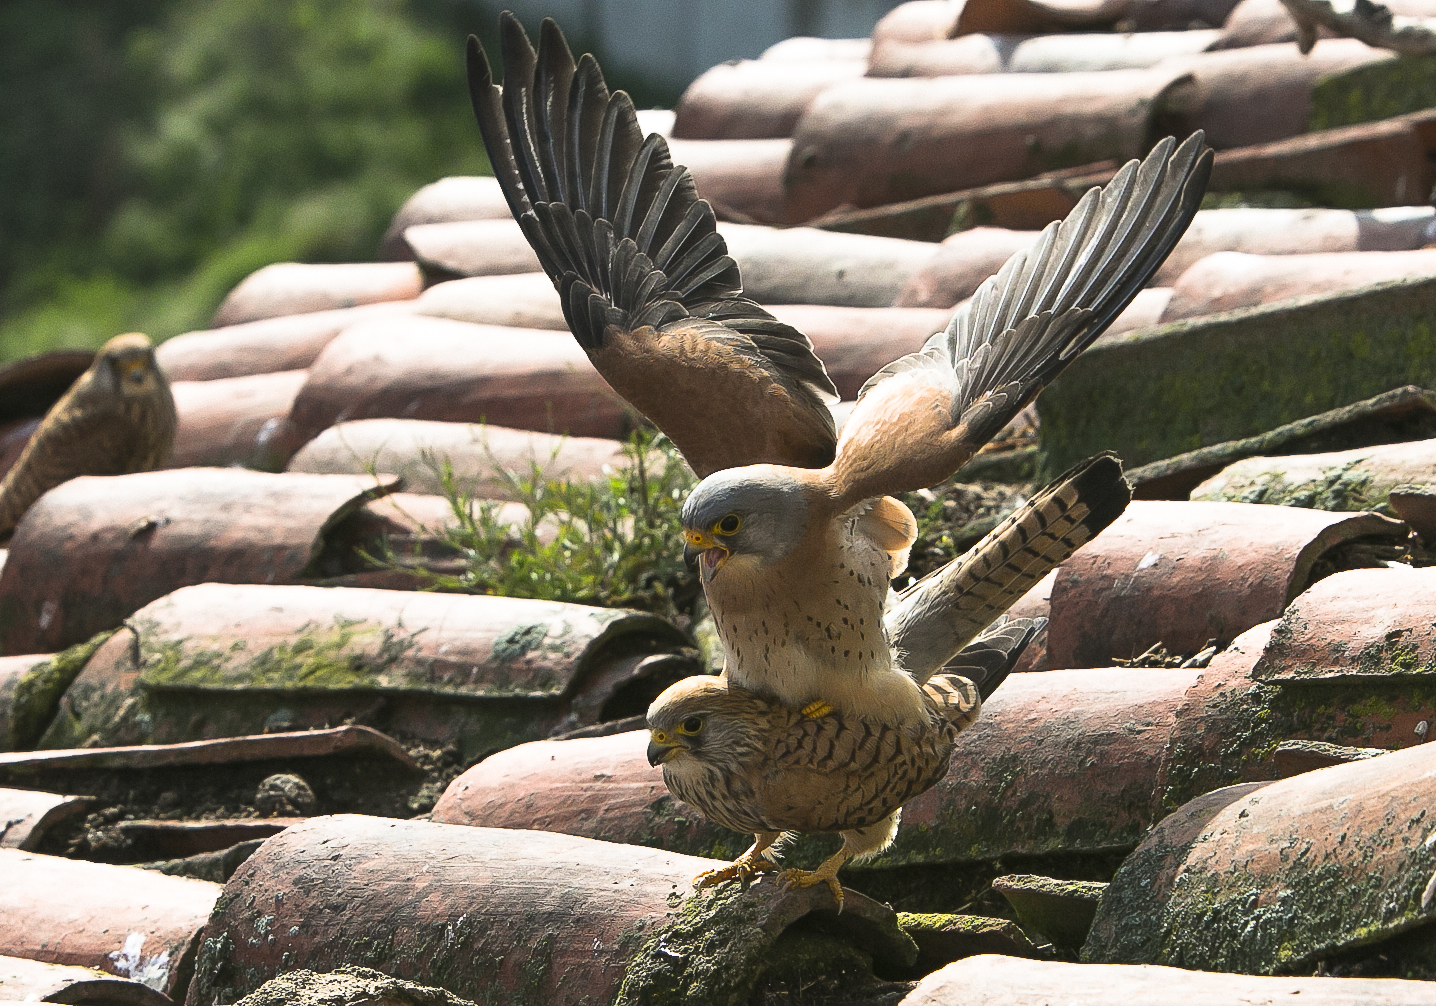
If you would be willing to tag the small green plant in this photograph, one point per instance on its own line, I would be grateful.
(617, 542)
(612, 542)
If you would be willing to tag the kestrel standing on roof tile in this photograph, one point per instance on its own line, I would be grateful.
(795, 531)
(761, 767)
(118, 417)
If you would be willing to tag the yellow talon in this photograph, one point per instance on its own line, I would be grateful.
(817, 710)
(743, 868)
(807, 878)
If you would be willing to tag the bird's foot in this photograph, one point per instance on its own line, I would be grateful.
(743, 869)
(825, 874)
(816, 710)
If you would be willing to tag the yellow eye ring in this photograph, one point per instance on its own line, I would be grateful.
(692, 725)
(728, 525)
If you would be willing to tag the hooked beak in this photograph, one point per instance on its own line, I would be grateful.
(662, 746)
(702, 546)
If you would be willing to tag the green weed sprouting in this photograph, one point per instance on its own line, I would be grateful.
(617, 542)
(612, 542)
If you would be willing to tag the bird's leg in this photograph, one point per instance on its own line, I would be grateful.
(859, 843)
(827, 874)
(745, 866)
(816, 710)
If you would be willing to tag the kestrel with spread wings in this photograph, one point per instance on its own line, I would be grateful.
(795, 530)
(755, 765)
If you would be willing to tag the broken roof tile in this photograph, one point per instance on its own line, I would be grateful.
(25, 816)
(1415, 503)
(23, 980)
(299, 744)
(1060, 910)
(942, 939)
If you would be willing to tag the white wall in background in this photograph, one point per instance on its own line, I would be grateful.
(673, 41)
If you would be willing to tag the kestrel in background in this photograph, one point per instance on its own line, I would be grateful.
(118, 417)
(795, 531)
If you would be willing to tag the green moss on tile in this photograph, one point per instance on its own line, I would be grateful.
(1165, 391)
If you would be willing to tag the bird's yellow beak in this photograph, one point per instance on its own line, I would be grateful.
(702, 545)
(662, 746)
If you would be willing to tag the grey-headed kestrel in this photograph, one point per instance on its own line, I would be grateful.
(118, 417)
(794, 529)
(755, 765)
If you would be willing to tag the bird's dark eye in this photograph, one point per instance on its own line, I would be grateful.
(692, 725)
(729, 524)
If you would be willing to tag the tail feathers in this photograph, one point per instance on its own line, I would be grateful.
(940, 614)
(956, 698)
(987, 660)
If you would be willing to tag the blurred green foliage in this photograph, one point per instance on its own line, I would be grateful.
(157, 151)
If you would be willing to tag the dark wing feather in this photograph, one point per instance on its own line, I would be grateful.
(629, 245)
(987, 660)
(1023, 326)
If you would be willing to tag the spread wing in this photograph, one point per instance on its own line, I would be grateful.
(921, 417)
(647, 285)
